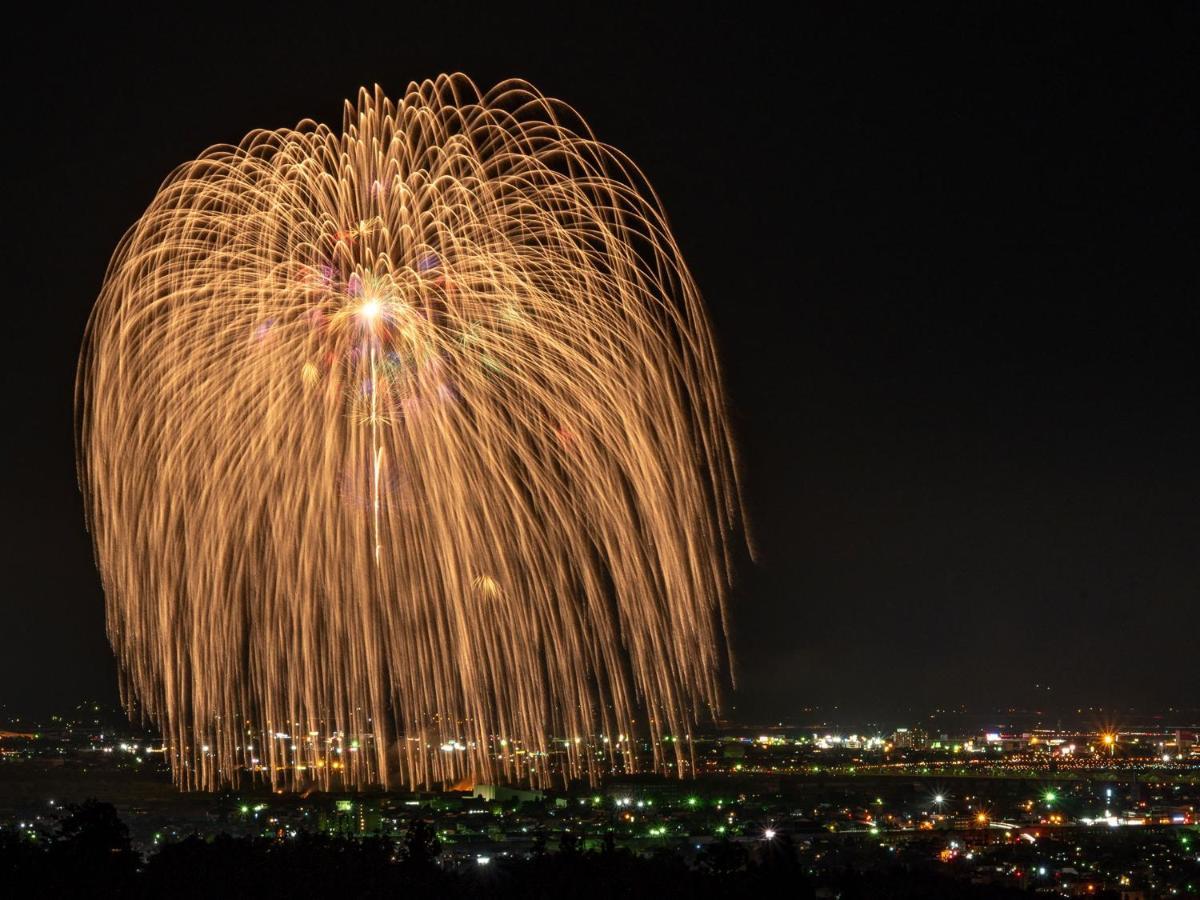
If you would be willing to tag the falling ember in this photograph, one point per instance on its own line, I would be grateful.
(453, 276)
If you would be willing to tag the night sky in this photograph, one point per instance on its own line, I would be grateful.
(951, 263)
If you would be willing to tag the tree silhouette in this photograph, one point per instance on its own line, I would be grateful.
(421, 845)
(92, 845)
(723, 858)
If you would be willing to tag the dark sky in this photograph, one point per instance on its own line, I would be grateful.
(951, 261)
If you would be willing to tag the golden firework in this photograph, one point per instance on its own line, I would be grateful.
(404, 452)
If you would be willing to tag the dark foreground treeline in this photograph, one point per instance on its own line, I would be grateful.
(89, 855)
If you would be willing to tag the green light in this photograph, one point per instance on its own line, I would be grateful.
(1051, 796)
(691, 801)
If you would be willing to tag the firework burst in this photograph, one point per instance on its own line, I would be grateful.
(409, 437)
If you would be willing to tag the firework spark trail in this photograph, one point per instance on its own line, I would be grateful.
(413, 431)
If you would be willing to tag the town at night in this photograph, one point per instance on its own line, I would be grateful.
(1029, 804)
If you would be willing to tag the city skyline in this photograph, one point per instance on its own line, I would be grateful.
(1062, 809)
